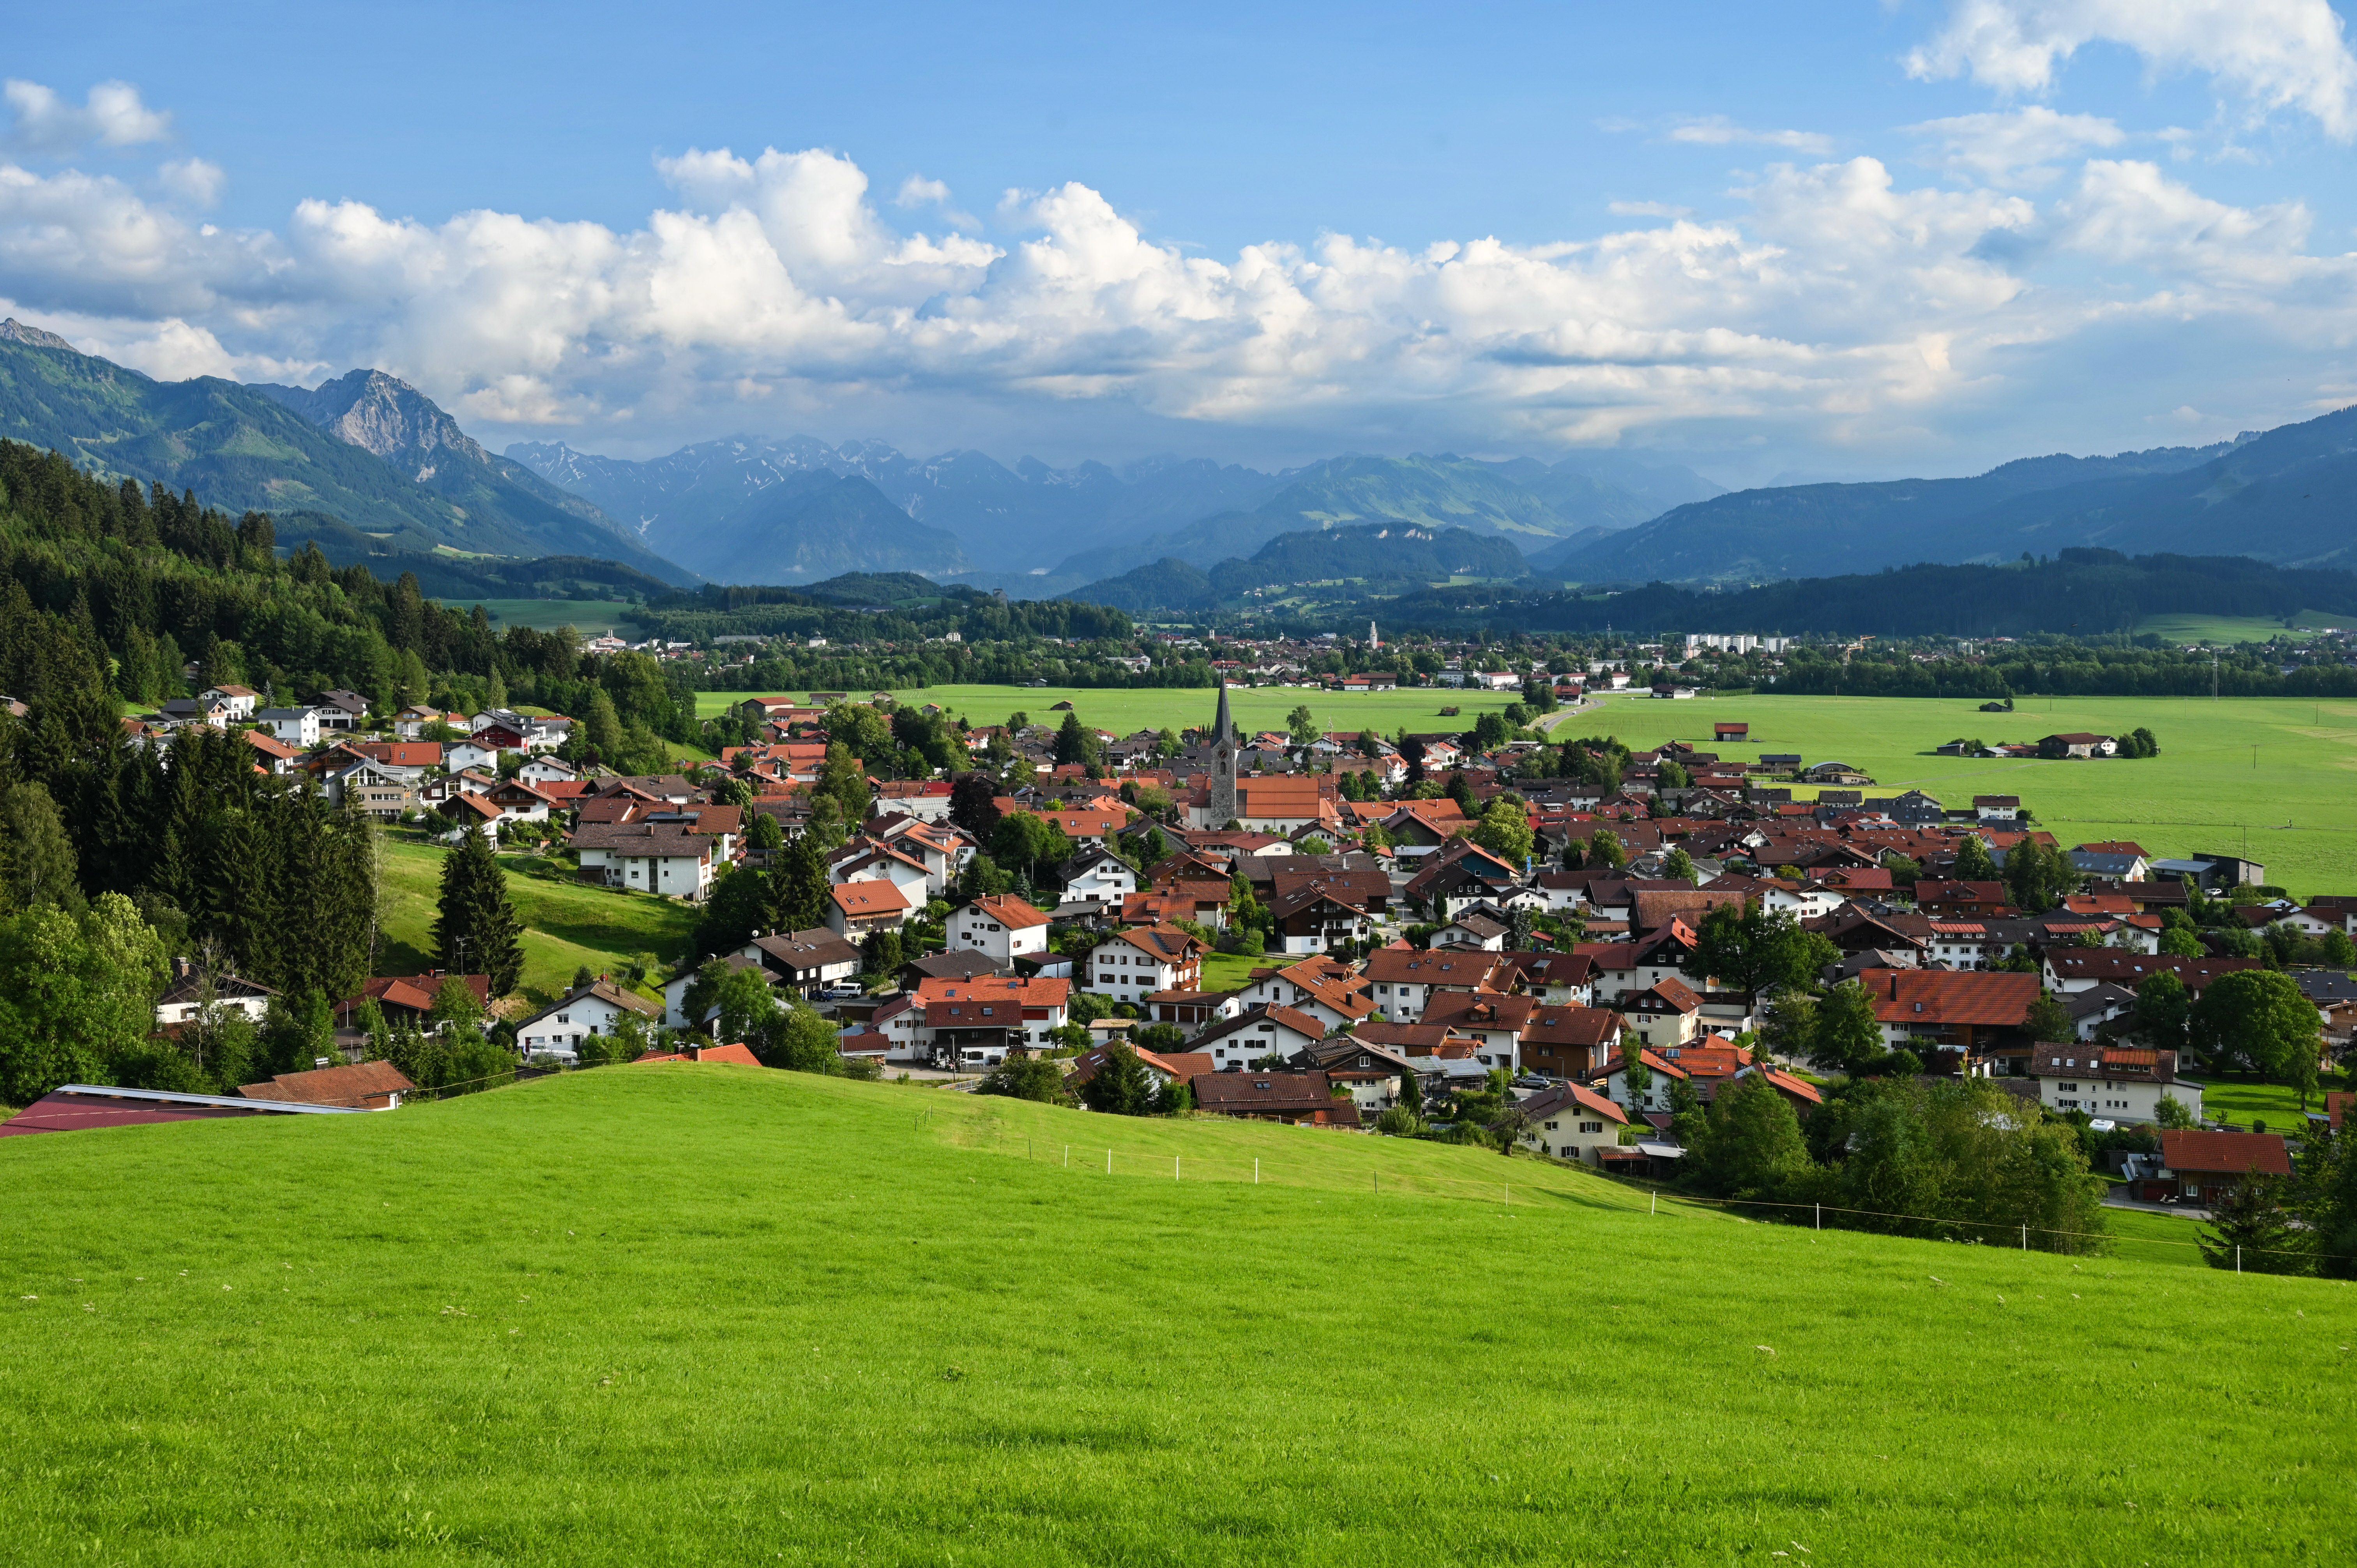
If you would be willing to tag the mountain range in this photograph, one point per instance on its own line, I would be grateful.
(367, 465)
(1364, 561)
(2286, 496)
(372, 468)
(1014, 528)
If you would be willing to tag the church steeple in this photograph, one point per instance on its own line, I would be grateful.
(1224, 762)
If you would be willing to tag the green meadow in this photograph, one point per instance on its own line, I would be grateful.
(590, 617)
(566, 924)
(2272, 777)
(695, 1314)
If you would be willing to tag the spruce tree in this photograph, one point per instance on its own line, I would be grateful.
(798, 885)
(476, 931)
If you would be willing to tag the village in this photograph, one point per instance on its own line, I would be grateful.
(1577, 947)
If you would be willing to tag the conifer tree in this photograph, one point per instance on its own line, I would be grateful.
(476, 931)
(798, 886)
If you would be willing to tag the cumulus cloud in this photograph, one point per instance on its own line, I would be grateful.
(2017, 147)
(111, 115)
(1718, 131)
(2279, 54)
(194, 181)
(1835, 304)
(1647, 209)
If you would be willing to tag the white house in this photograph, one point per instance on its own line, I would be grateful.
(645, 857)
(855, 911)
(886, 865)
(1572, 1123)
(1096, 876)
(1005, 928)
(295, 726)
(2114, 1082)
(558, 1032)
(1235, 1044)
(1137, 963)
(240, 700)
(184, 998)
(460, 755)
(544, 770)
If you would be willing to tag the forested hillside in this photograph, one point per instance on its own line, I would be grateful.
(244, 447)
(113, 857)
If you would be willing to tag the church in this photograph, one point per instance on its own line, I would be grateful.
(1280, 803)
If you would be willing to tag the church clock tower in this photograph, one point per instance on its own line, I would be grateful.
(1223, 763)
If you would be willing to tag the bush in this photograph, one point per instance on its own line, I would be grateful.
(1399, 1122)
(1025, 1077)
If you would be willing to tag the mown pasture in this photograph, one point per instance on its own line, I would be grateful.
(689, 1315)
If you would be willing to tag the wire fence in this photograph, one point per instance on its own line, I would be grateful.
(1535, 1184)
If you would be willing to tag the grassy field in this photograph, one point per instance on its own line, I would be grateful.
(590, 617)
(1126, 711)
(566, 924)
(2229, 629)
(694, 1314)
(2295, 809)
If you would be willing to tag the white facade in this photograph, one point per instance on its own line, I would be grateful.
(460, 755)
(673, 876)
(293, 727)
(980, 928)
(559, 1032)
(2116, 1098)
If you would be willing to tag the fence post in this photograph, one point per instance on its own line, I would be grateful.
(2238, 1260)
(1108, 1161)
(1067, 1156)
(1821, 1216)
(1653, 1204)
(1255, 1170)
(2025, 1237)
(1174, 1167)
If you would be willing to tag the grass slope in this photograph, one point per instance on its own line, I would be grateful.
(689, 1315)
(567, 925)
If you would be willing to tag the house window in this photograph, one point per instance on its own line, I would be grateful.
(1591, 1127)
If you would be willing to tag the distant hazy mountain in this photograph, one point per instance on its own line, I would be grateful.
(814, 525)
(2036, 504)
(1367, 560)
(242, 447)
(1004, 519)
(1525, 501)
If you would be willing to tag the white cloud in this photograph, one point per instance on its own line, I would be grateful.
(1647, 209)
(2015, 147)
(1837, 305)
(2279, 54)
(111, 116)
(917, 191)
(194, 181)
(1719, 131)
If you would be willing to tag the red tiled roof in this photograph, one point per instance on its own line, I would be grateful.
(2230, 1154)
(1995, 999)
(860, 899)
(1010, 911)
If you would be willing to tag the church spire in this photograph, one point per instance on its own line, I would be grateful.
(1222, 727)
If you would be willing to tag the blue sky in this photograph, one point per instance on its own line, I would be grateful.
(1722, 232)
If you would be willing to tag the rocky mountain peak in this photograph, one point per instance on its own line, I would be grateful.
(14, 331)
(387, 417)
